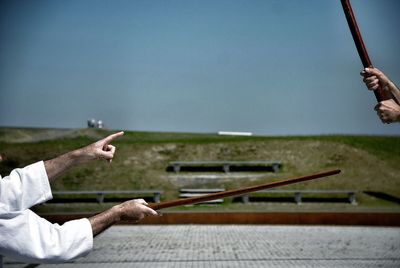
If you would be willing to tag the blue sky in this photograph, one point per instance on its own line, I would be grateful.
(278, 67)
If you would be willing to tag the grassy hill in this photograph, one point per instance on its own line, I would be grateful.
(368, 163)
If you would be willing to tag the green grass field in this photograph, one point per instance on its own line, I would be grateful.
(368, 163)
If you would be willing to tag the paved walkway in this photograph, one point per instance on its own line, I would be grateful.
(241, 246)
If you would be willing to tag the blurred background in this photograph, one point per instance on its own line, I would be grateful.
(173, 74)
(267, 67)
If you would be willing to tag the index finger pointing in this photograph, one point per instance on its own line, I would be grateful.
(113, 137)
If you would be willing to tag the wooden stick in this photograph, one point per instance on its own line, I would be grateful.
(240, 191)
(362, 50)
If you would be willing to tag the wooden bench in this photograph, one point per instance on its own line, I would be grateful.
(99, 195)
(226, 166)
(189, 192)
(298, 194)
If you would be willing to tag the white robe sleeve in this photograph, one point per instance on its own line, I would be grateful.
(25, 187)
(27, 237)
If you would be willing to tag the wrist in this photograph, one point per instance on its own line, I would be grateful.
(77, 156)
(392, 87)
(117, 212)
(105, 219)
(397, 119)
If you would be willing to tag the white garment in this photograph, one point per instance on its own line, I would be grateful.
(27, 237)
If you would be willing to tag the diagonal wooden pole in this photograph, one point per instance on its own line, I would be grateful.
(240, 191)
(358, 41)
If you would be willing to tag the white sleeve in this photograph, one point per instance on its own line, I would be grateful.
(25, 187)
(27, 237)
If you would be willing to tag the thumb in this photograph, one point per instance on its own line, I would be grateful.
(148, 211)
(107, 155)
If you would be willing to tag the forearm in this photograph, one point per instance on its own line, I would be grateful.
(397, 114)
(104, 220)
(59, 165)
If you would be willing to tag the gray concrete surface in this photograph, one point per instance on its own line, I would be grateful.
(240, 246)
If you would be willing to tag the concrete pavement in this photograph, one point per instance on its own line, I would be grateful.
(240, 246)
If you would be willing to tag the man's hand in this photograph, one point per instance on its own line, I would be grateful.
(101, 149)
(134, 210)
(374, 79)
(388, 111)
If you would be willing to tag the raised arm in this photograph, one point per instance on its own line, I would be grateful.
(24, 188)
(101, 149)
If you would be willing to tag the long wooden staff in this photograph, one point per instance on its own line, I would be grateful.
(240, 191)
(362, 51)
